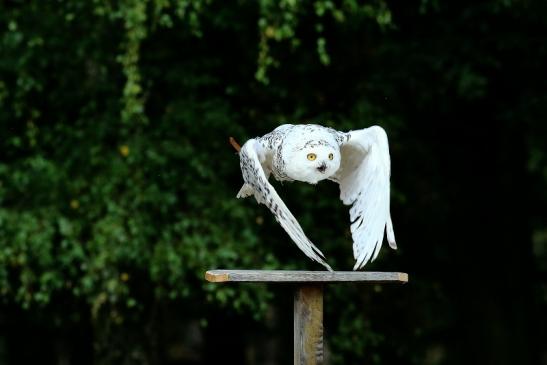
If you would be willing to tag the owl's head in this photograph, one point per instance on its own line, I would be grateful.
(312, 161)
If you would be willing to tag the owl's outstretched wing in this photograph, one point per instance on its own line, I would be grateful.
(364, 183)
(252, 155)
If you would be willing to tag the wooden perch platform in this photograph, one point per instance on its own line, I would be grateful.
(308, 300)
(287, 276)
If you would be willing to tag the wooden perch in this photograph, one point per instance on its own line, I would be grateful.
(287, 276)
(308, 298)
(235, 144)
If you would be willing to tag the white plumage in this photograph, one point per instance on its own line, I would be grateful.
(357, 160)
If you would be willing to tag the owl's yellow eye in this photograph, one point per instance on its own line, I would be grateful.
(312, 156)
(331, 156)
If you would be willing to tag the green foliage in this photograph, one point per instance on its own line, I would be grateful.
(279, 20)
(117, 186)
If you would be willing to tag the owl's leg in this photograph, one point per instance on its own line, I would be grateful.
(245, 191)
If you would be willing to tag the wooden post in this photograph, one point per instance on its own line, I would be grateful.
(308, 325)
(308, 300)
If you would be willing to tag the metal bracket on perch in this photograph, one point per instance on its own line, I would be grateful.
(308, 300)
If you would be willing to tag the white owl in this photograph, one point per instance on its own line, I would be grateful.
(357, 160)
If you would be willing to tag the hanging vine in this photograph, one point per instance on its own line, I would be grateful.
(278, 21)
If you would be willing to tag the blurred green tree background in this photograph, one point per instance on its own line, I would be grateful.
(117, 185)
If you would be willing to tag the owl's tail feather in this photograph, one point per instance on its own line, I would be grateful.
(245, 191)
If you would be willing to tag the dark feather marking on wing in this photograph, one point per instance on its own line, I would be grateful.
(279, 164)
(340, 137)
(274, 142)
(253, 177)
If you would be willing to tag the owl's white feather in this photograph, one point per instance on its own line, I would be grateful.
(359, 161)
(364, 184)
(254, 160)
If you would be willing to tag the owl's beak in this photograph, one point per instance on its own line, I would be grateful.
(322, 167)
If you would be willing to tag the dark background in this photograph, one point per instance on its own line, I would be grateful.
(117, 184)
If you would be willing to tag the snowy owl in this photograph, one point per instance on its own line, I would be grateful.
(357, 160)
